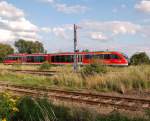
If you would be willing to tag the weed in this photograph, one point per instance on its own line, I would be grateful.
(93, 69)
(45, 66)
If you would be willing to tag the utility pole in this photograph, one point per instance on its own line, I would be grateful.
(75, 48)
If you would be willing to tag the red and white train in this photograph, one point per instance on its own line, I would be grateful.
(107, 58)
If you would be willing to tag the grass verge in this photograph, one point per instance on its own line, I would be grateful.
(115, 79)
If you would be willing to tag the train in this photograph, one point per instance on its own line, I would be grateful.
(82, 58)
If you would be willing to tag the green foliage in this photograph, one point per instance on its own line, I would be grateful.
(115, 116)
(29, 47)
(94, 68)
(86, 50)
(45, 66)
(7, 106)
(140, 58)
(5, 50)
(34, 110)
(43, 110)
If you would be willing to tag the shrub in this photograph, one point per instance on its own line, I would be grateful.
(94, 69)
(140, 58)
(7, 107)
(34, 110)
(45, 66)
(43, 110)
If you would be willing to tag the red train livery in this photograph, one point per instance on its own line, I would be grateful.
(107, 58)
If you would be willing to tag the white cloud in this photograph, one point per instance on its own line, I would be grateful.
(6, 35)
(46, 30)
(50, 1)
(70, 9)
(112, 27)
(67, 9)
(143, 6)
(9, 11)
(59, 32)
(97, 30)
(98, 36)
(14, 25)
(63, 31)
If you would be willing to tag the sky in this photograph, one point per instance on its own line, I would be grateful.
(115, 25)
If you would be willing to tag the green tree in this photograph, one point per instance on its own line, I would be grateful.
(29, 47)
(5, 50)
(86, 50)
(140, 58)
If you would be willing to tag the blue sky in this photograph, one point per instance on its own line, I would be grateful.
(120, 25)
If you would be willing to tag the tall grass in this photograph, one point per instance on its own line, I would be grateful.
(43, 110)
(116, 79)
(34, 110)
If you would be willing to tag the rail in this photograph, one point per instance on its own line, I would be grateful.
(118, 102)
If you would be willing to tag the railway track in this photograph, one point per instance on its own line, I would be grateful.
(34, 72)
(116, 102)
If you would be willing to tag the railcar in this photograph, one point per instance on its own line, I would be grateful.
(83, 58)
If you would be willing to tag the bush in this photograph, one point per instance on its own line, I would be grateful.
(140, 58)
(43, 110)
(34, 110)
(7, 107)
(94, 68)
(45, 66)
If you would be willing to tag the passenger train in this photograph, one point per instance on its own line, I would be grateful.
(83, 58)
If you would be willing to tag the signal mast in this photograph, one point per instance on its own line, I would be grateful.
(75, 65)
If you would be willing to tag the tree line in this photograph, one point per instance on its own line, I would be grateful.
(22, 46)
(29, 47)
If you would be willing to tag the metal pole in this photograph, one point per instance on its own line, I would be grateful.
(75, 48)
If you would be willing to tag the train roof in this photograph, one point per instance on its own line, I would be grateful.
(65, 53)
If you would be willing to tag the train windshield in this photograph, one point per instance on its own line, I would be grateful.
(126, 57)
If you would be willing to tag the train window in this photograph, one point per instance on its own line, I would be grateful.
(62, 58)
(56, 59)
(39, 59)
(30, 58)
(113, 56)
(126, 57)
(99, 56)
(69, 58)
(6, 58)
(88, 56)
(13, 58)
(107, 56)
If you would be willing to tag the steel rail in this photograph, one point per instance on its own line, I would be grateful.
(118, 102)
